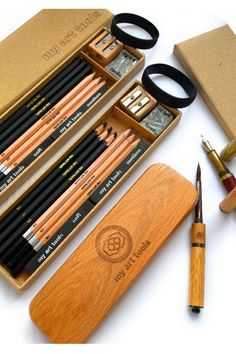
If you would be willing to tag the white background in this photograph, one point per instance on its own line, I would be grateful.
(154, 314)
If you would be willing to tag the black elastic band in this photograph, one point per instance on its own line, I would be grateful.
(130, 40)
(163, 96)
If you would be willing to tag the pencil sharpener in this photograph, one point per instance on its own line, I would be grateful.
(138, 103)
(105, 48)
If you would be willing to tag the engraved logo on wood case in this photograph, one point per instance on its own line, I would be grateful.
(114, 244)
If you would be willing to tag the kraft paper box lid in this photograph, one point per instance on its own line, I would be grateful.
(210, 59)
(34, 50)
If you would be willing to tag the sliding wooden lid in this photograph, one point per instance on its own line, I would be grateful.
(84, 289)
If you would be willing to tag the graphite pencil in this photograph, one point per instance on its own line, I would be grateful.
(18, 264)
(54, 123)
(42, 121)
(20, 126)
(15, 241)
(60, 182)
(39, 96)
(19, 210)
(47, 126)
(51, 211)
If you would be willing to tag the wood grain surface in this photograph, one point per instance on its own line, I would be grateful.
(228, 204)
(197, 266)
(71, 305)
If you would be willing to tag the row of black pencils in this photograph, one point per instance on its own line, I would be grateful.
(37, 106)
(13, 247)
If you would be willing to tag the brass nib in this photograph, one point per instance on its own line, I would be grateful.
(205, 143)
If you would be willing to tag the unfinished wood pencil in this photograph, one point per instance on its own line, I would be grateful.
(18, 264)
(60, 183)
(19, 209)
(47, 215)
(42, 108)
(19, 129)
(55, 110)
(39, 96)
(46, 126)
(15, 240)
(79, 188)
(45, 132)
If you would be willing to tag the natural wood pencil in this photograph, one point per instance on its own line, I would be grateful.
(50, 212)
(12, 162)
(22, 125)
(19, 210)
(38, 97)
(87, 190)
(14, 245)
(42, 121)
(79, 191)
(30, 251)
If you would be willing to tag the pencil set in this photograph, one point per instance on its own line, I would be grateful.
(35, 221)
(36, 226)
(33, 128)
(56, 206)
(41, 123)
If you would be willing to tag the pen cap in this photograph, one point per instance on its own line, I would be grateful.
(228, 204)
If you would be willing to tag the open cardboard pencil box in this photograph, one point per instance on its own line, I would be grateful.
(117, 118)
(137, 111)
(32, 57)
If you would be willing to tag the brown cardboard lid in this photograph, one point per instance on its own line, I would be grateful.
(210, 59)
(81, 293)
(34, 50)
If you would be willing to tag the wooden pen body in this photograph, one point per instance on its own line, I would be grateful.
(197, 266)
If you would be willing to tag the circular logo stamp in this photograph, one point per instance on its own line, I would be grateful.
(200, 236)
(114, 244)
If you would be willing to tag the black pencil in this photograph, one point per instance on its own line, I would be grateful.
(18, 263)
(15, 241)
(39, 96)
(52, 185)
(6, 223)
(67, 84)
(2, 176)
(19, 267)
(39, 107)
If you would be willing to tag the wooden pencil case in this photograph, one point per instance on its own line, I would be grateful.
(29, 67)
(120, 121)
(82, 292)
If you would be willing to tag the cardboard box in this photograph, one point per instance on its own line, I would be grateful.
(36, 52)
(210, 60)
(120, 121)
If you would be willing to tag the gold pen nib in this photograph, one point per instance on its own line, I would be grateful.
(205, 143)
(226, 177)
